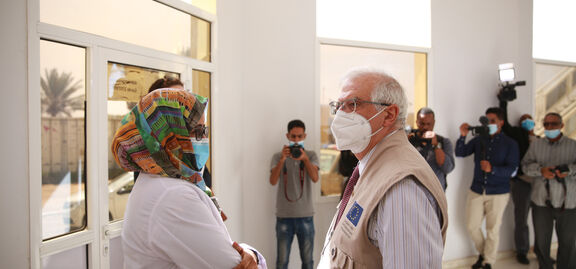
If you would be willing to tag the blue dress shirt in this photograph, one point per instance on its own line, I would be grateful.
(502, 153)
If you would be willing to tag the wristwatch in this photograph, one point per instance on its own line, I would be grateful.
(438, 146)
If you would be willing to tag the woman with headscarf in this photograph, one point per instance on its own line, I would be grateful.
(171, 220)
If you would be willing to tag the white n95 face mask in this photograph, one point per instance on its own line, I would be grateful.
(352, 131)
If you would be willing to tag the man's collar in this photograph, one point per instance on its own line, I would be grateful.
(362, 163)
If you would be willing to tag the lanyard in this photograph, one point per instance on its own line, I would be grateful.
(548, 201)
(301, 173)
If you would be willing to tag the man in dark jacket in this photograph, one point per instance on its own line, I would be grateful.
(496, 160)
(520, 185)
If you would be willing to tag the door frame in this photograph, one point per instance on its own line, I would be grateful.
(99, 50)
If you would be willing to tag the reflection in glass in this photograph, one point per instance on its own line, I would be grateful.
(410, 69)
(126, 85)
(145, 23)
(207, 5)
(70, 259)
(201, 84)
(63, 138)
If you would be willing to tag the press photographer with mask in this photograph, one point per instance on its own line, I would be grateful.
(435, 149)
(520, 185)
(295, 169)
(495, 161)
(551, 161)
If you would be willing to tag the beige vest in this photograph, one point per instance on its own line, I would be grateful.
(393, 160)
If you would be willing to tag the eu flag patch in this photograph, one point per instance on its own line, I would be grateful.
(355, 213)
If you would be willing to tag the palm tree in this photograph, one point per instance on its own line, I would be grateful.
(57, 93)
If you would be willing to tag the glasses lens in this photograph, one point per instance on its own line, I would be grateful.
(334, 106)
(350, 105)
(200, 131)
(551, 124)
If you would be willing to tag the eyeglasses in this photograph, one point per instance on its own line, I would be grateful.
(350, 105)
(200, 131)
(551, 124)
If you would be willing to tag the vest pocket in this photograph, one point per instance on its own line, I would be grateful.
(341, 259)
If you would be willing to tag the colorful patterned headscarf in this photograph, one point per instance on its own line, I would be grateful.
(155, 137)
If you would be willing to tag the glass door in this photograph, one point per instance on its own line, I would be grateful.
(125, 79)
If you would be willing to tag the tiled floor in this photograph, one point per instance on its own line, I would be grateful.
(509, 263)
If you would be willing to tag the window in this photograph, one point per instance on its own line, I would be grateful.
(201, 84)
(105, 54)
(404, 22)
(409, 68)
(362, 33)
(557, 44)
(127, 84)
(144, 23)
(208, 5)
(555, 91)
(73, 258)
(63, 76)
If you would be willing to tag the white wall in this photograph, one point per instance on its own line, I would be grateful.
(14, 248)
(469, 40)
(266, 54)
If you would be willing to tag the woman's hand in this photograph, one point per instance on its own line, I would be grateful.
(248, 258)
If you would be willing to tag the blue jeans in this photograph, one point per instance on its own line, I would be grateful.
(285, 230)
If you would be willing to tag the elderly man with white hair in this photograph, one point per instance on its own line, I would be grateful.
(393, 213)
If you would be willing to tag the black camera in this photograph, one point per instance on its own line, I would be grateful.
(295, 151)
(481, 130)
(562, 168)
(415, 136)
(508, 89)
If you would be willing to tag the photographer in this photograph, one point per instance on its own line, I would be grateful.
(520, 188)
(296, 169)
(495, 161)
(552, 164)
(435, 149)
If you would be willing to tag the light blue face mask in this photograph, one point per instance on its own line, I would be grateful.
(201, 151)
(552, 134)
(300, 143)
(492, 128)
(528, 125)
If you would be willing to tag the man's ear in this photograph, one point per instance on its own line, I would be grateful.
(287, 136)
(391, 115)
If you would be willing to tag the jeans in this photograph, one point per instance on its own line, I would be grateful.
(286, 228)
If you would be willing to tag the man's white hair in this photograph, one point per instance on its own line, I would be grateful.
(386, 90)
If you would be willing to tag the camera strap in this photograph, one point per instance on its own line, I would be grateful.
(301, 174)
(548, 201)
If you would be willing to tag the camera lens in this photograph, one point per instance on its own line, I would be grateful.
(295, 151)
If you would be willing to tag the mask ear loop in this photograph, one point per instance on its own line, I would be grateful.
(381, 127)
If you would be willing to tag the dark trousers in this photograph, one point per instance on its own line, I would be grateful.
(520, 190)
(544, 219)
